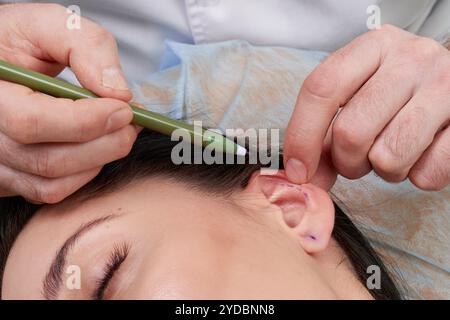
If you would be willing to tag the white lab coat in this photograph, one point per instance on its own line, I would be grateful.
(141, 25)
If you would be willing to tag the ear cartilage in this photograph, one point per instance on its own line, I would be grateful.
(276, 195)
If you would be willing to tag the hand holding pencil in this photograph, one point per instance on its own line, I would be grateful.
(44, 140)
(47, 143)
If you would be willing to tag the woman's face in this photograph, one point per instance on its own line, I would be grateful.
(157, 239)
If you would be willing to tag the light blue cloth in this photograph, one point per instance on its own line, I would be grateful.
(236, 85)
(225, 84)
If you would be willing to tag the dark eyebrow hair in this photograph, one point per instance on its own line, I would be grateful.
(53, 280)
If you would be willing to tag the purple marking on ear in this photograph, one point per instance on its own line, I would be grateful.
(313, 238)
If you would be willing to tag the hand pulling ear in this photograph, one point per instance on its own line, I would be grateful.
(306, 209)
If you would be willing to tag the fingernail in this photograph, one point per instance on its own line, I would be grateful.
(296, 171)
(119, 119)
(113, 78)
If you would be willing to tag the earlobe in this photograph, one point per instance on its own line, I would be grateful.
(306, 209)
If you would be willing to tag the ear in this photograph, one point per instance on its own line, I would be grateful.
(306, 209)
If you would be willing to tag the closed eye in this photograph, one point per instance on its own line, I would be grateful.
(117, 257)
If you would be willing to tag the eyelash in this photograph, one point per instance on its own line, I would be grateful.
(116, 258)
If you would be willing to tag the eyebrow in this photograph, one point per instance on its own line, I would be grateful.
(52, 282)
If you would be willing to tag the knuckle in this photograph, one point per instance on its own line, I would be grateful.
(381, 160)
(353, 173)
(374, 92)
(46, 193)
(348, 136)
(99, 36)
(86, 126)
(385, 33)
(388, 29)
(7, 151)
(22, 127)
(26, 187)
(424, 49)
(43, 191)
(426, 180)
(48, 164)
(386, 165)
(321, 84)
(397, 140)
(85, 123)
(37, 189)
(433, 172)
(40, 191)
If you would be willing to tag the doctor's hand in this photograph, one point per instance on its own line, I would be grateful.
(394, 90)
(51, 147)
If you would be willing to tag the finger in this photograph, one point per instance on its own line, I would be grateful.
(328, 87)
(52, 69)
(32, 117)
(137, 104)
(409, 134)
(364, 117)
(60, 160)
(432, 171)
(90, 50)
(326, 174)
(43, 190)
(6, 193)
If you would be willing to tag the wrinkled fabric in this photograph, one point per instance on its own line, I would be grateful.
(409, 227)
(221, 85)
(236, 85)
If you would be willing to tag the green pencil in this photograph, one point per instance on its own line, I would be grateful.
(144, 118)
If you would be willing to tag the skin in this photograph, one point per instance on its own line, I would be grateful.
(394, 90)
(42, 147)
(392, 84)
(188, 245)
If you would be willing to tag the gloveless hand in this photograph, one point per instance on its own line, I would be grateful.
(394, 90)
(51, 147)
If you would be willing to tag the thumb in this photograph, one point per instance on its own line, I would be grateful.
(308, 158)
(325, 175)
(90, 50)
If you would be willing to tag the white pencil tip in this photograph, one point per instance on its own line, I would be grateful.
(241, 151)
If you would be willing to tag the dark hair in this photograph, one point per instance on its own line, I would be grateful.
(151, 156)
